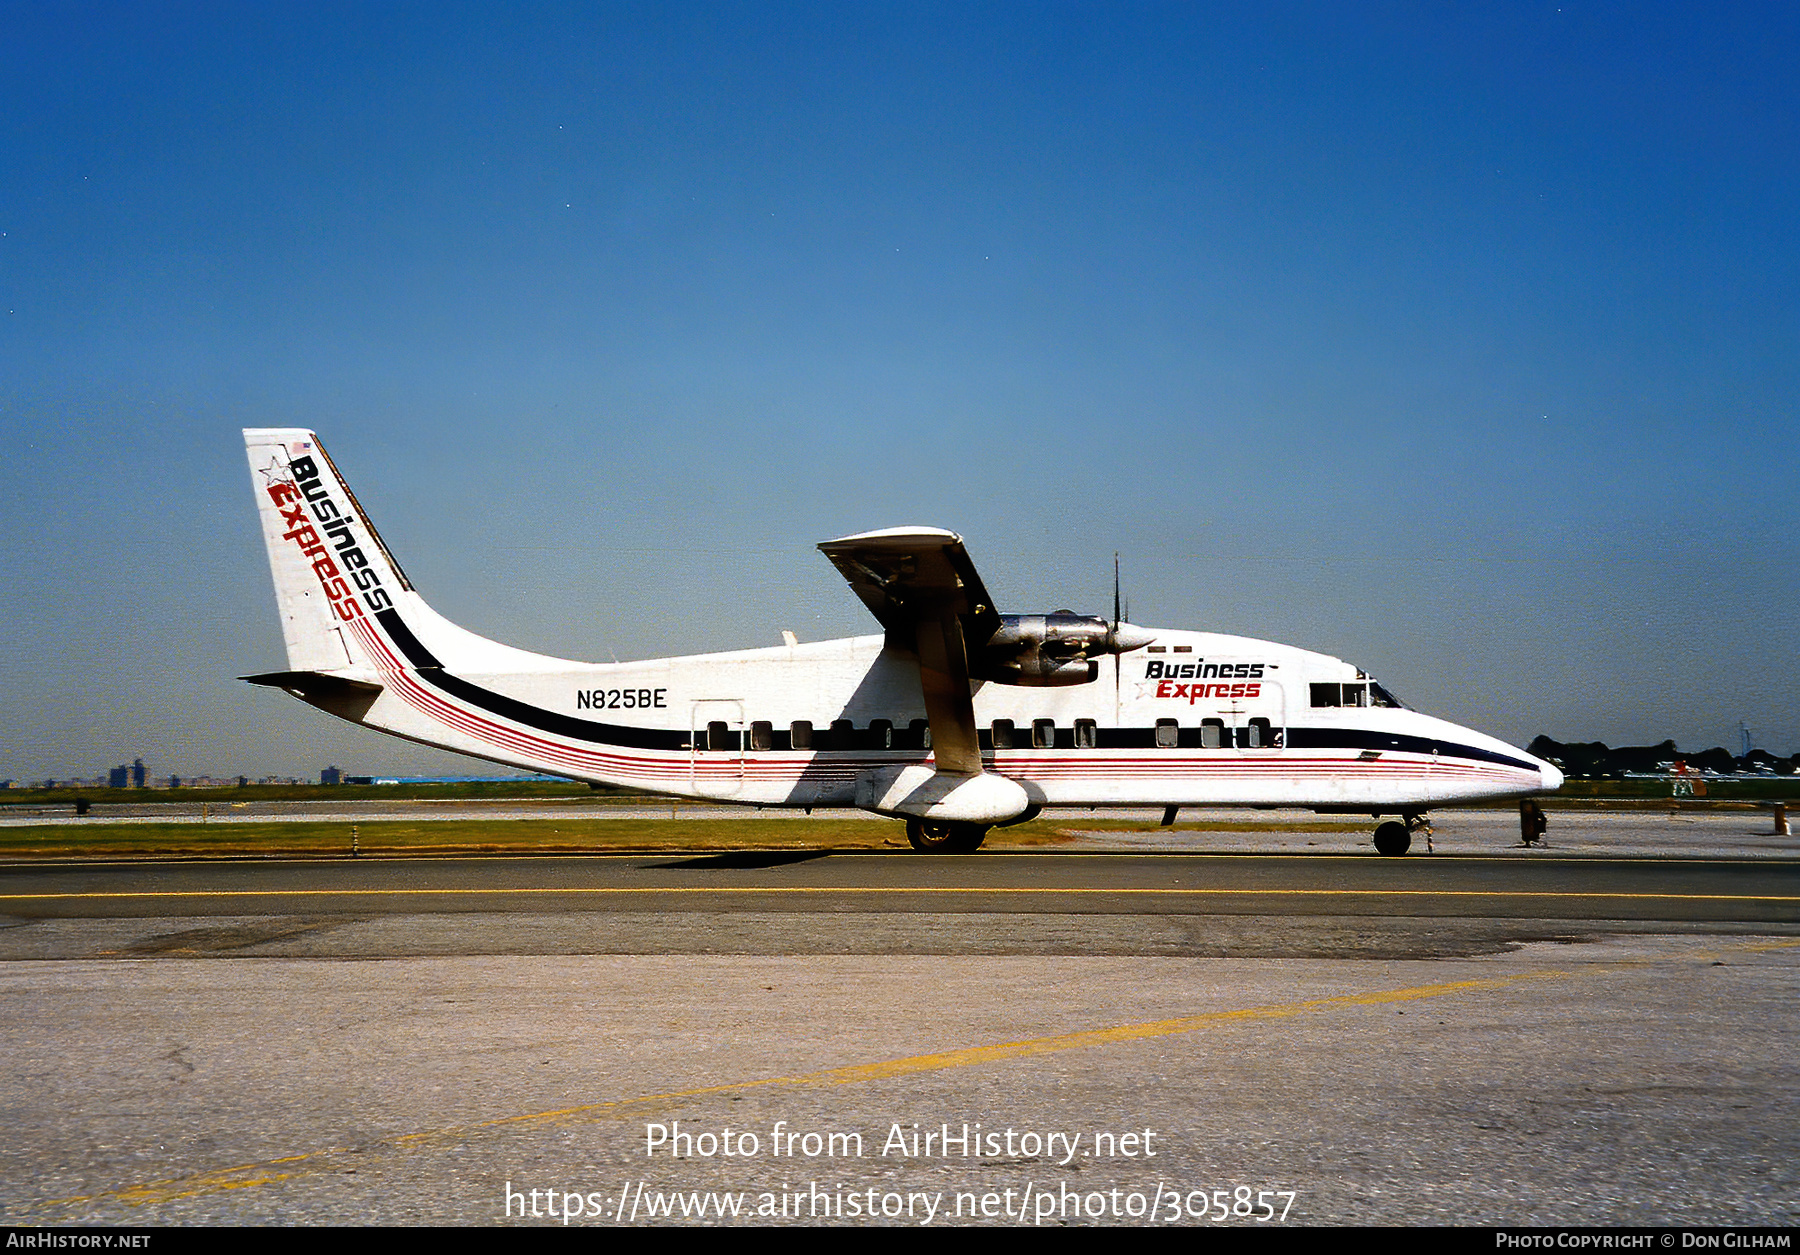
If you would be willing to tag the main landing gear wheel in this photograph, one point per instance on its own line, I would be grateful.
(1392, 838)
(929, 837)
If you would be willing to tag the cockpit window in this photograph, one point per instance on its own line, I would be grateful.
(1370, 694)
(1379, 696)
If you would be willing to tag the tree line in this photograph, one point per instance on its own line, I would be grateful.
(1595, 760)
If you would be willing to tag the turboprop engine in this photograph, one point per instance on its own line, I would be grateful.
(1051, 650)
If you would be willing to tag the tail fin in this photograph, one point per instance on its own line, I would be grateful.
(330, 565)
(363, 645)
(342, 597)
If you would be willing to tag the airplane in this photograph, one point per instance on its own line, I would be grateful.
(956, 718)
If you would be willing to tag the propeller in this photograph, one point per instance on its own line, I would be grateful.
(1123, 637)
(1118, 661)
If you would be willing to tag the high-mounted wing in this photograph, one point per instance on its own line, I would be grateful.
(898, 569)
(921, 586)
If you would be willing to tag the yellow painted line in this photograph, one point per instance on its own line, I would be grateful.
(888, 852)
(871, 889)
(267, 1171)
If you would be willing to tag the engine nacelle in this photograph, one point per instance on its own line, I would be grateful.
(1062, 632)
(1051, 650)
(1038, 670)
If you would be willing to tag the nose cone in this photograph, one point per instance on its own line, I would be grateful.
(1125, 638)
(1551, 776)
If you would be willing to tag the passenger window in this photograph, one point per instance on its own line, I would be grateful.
(918, 734)
(1258, 735)
(881, 734)
(1043, 734)
(800, 734)
(842, 734)
(718, 735)
(762, 735)
(1003, 734)
(1087, 734)
(1168, 734)
(1212, 734)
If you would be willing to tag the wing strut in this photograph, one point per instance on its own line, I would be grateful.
(922, 587)
(920, 584)
(944, 675)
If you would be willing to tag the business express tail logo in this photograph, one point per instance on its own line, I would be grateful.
(342, 568)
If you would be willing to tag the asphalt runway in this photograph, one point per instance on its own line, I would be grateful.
(1576, 832)
(1687, 890)
(1337, 1038)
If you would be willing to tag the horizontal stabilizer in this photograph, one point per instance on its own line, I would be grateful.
(336, 694)
(307, 682)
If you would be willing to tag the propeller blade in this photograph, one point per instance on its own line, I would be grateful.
(1118, 661)
(1115, 590)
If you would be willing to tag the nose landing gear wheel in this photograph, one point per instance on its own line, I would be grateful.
(1392, 838)
(929, 837)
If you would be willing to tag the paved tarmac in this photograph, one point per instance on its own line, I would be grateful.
(1510, 1038)
(1748, 833)
(1687, 890)
(1573, 833)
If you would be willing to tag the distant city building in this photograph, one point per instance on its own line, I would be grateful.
(138, 775)
(118, 777)
(331, 775)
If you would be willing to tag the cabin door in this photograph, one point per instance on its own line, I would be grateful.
(716, 756)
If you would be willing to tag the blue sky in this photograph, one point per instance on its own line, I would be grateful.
(1458, 341)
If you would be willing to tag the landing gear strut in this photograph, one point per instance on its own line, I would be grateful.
(929, 837)
(1395, 839)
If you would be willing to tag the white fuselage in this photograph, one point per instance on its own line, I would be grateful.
(1237, 727)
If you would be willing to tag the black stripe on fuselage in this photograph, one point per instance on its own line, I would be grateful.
(432, 672)
(1363, 739)
(404, 640)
